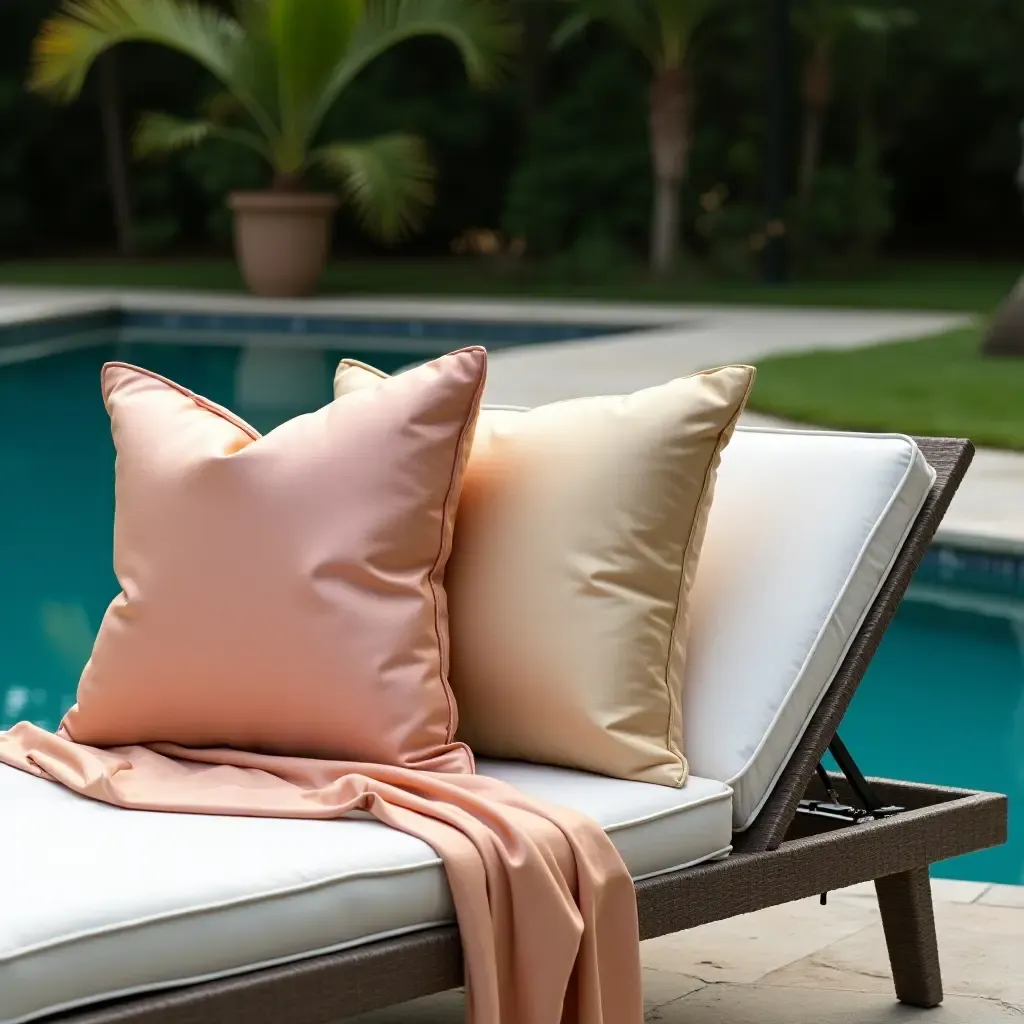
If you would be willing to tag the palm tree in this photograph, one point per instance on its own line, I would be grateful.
(824, 24)
(663, 31)
(283, 65)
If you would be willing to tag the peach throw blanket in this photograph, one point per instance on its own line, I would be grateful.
(545, 905)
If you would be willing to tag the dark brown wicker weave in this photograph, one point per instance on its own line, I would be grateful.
(782, 857)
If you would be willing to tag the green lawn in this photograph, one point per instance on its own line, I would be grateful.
(939, 386)
(976, 287)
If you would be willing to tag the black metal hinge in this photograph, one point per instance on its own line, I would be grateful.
(870, 809)
(833, 808)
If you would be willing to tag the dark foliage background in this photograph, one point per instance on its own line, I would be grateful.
(920, 148)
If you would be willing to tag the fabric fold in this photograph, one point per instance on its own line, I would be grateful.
(545, 905)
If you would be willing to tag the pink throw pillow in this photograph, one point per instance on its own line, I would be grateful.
(284, 593)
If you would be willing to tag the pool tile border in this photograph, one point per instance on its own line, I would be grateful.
(498, 334)
(424, 333)
(999, 573)
(57, 326)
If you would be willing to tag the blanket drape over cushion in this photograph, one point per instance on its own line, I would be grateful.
(545, 905)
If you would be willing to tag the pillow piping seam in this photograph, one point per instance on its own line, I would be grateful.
(446, 515)
(675, 706)
(202, 403)
(443, 650)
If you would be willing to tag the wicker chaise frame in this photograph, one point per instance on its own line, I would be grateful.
(782, 857)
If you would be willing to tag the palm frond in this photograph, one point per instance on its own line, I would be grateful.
(677, 21)
(570, 29)
(158, 134)
(881, 20)
(635, 21)
(258, 68)
(389, 179)
(223, 107)
(69, 43)
(828, 20)
(481, 30)
(250, 13)
(310, 39)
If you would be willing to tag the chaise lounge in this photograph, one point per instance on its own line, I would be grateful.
(144, 918)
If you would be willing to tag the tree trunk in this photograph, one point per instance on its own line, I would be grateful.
(117, 158)
(810, 149)
(665, 226)
(671, 114)
(817, 97)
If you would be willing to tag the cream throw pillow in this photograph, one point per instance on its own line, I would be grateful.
(576, 543)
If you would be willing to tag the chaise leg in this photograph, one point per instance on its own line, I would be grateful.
(905, 901)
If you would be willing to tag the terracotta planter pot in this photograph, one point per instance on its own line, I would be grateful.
(282, 240)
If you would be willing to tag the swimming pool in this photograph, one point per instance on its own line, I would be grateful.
(942, 703)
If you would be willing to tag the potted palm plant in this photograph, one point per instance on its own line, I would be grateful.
(282, 65)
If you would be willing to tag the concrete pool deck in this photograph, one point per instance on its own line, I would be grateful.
(795, 964)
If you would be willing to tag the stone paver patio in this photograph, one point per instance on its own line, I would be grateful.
(807, 964)
(794, 964)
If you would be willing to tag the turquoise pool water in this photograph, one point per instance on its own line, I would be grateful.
(943, 701)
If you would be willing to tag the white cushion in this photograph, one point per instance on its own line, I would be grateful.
(803, 531)
(97, 901)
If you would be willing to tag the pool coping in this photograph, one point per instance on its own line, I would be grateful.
(21, 304)
(38, 304)
(41, 305)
